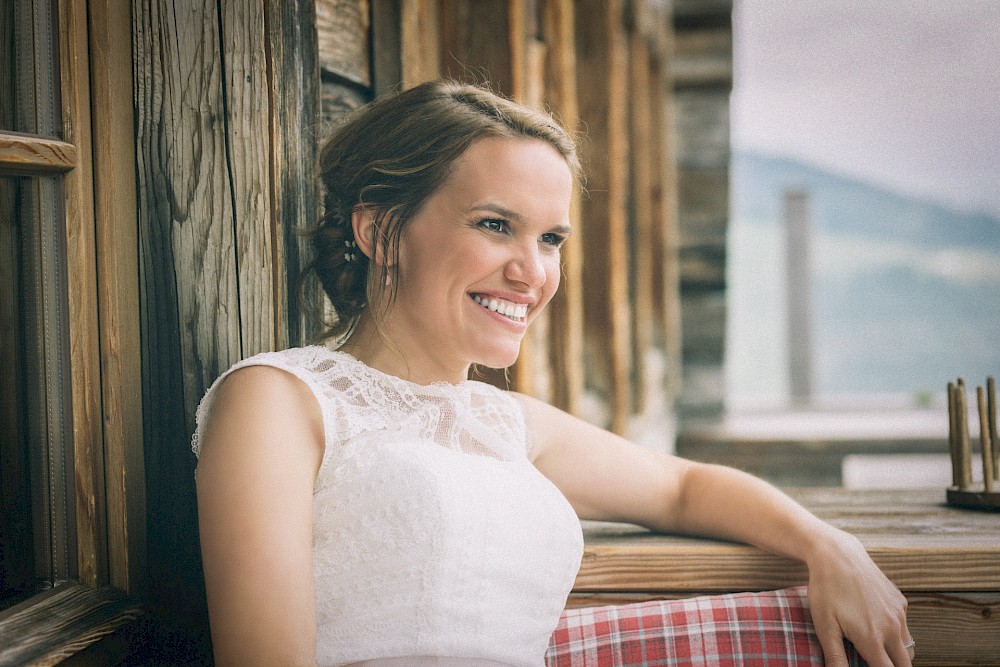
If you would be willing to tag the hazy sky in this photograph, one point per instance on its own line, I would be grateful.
(903, 92)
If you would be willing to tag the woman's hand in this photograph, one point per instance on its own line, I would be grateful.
(850, 597)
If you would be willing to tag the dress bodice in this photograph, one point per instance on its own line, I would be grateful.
(433, 533)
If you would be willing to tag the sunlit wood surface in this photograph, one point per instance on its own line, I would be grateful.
(945, 560)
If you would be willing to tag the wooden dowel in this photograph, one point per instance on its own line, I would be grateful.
(984, 439)
(964, 446)
(956, 475)
(991, 407)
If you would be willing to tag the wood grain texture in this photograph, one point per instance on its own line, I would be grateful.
(420, 48)
(58, 623)
(645, 320)
(566, 307)
(118, 291)
(920, 543)
(248, 156)
(343, 29)
(475, 42)
(190, 191)
(81, 284)
(28, 155)
(602, 86)
(294, 124)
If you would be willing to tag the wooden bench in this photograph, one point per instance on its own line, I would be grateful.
(945, 560)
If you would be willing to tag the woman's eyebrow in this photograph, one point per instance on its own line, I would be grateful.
(502, 211)
(514, 216)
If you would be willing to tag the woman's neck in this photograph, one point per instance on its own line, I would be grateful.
(400, 356)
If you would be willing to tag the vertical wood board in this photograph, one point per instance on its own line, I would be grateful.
(89, 463)
(118, 298)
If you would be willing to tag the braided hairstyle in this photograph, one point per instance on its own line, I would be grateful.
(389, 157)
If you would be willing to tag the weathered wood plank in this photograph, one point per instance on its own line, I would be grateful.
(295, 104)
(188, 270)
(602, 70)
(342, 27)
(644, 317)
(23, 154)
(81, 283)
(248, 124)
(920, 543)
(420, 48)
(566, 308)
(118, 291)
(475, 42)
(52, 626)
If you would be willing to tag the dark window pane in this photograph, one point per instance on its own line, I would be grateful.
(36, 530)
(29, 62)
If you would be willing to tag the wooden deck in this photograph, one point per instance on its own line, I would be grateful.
(945, 560)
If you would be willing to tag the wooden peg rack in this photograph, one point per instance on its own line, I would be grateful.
(961, 493)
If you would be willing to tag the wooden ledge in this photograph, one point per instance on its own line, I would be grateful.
(60, 622)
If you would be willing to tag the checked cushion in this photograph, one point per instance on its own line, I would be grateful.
(749, 629)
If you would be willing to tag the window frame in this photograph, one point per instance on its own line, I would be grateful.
(95, 158)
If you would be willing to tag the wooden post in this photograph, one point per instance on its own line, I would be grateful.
(953, 439)
(797, 244)
(964, 449)
(602, 68)
(991, 406)
(984, 440)
(566, 308)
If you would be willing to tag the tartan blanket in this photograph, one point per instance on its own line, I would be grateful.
(748, 629)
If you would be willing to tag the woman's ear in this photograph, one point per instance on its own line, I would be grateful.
(366, 233)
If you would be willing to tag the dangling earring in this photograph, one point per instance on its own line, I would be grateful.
(388, 279)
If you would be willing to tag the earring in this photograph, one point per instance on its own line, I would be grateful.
(349, 256)
(388, 279)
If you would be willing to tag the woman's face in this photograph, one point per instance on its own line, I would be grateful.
(481, 258)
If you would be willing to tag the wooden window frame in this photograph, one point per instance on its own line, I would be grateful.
(95, 157)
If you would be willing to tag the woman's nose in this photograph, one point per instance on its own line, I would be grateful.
(527, 267)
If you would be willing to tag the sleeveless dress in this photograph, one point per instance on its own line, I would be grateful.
(435, 539)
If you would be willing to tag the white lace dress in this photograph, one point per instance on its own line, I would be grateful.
(433, 534)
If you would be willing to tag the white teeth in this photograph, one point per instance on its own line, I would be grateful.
(511, 310)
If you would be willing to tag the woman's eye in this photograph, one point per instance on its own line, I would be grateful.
(494, 224)
(553, 239)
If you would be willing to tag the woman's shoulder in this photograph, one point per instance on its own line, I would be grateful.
(290, 377)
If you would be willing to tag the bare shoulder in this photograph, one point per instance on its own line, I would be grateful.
(550, 427)
(262, 407)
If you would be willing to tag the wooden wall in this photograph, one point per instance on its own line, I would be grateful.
(226, 104)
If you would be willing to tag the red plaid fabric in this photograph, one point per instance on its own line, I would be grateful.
(758, 629)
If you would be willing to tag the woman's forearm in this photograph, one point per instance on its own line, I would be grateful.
(716, 501)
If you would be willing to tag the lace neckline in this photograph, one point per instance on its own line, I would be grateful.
(435, 387)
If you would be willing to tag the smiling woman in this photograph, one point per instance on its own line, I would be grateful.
(371, 505)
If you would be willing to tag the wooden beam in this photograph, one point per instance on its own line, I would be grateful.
(30, 155)
(566, 308)
(420, 48)
(110, 32)
(81, 279)
(294, 89)
(602, 59)
(644, 317)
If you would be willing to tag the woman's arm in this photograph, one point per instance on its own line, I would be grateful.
(605, 477)
(261, 450)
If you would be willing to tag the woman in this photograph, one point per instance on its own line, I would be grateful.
(370, 505)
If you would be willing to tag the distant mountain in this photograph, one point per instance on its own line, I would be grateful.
(843, 205)
(906, 292)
